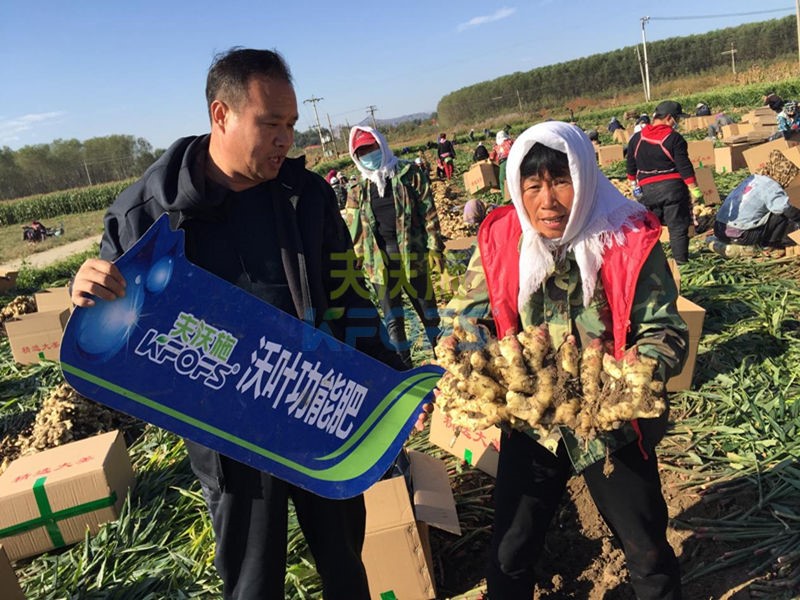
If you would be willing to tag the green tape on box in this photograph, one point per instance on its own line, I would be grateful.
(49, 518)
(388, 595)
(468, 456)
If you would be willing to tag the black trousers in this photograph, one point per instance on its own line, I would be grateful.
(669, 201)
(249, 516)
(421, 295)
(530, 484)
(772, 234)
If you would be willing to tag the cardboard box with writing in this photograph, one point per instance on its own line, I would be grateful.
(705, 181)
(54, 298)
(608, 155)
(480, 177)
(37, 336)
(48, 500)
(8, 281)
(701, 152)
(9, 584)
(478, 449)
(397, 553)
(757, 156)
(730, 158)
(694, 316)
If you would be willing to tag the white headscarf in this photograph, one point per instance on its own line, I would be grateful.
(501, 137)
(388, 160)
(598, 211)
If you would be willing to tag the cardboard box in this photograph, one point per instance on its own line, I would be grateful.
(55, 298)
(459, 244)
(608, 155)
(397, 553)
(793, 191)
(8, 281)
(48, 500)
(9, 585)
(694, 316)
(735, 129)
(794, 250)
(701, 153)
(478, 449)
(758, 155)
(793, 154)
(37, 336)
(695, 123)
(480, 177)
(730, 158)
(705, 181)
(620, 136)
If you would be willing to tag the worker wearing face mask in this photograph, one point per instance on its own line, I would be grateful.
(662, 175)
(395, 230)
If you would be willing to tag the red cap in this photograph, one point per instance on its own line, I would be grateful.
(363, 138)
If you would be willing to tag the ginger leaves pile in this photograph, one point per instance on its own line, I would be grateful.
(524, 381)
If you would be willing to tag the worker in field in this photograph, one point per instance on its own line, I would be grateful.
(268, 225)
(789, 120)
(662, 176)
(757, 213)
(702, 110)
(446, 155)
(773, 100)
(572, 254)
(481, 153)
(395, 229)
(499, 155)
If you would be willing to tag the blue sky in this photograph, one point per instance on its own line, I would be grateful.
(90, 68)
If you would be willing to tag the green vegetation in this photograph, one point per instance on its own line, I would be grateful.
(609, 74)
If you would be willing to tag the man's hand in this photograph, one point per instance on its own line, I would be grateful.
(97, 277)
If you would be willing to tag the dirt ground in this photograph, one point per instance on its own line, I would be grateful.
(581, 559)
(46, 257)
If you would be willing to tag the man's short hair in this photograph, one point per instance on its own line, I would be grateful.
(231, 72)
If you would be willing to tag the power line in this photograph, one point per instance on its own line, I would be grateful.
(742, 14)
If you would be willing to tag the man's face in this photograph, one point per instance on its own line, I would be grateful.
(257, 135)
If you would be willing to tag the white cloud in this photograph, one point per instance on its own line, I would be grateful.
(482, 20)
(11, 128)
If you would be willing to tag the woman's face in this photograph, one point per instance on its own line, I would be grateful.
(548, 203)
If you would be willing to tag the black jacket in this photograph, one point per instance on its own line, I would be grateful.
(310, 229)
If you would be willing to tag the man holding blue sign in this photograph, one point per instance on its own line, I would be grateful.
(264, 223)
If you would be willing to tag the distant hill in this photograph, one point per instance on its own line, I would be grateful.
(421, 116)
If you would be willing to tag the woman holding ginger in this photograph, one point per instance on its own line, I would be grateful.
(572, 271)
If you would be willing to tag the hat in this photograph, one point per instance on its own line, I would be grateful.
(670, 108)
(700, 105)
(363, 138)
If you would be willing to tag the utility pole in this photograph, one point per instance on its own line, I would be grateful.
(519, 100)
(732, 52)
(86, 168)
(333, 137)
(644, 21)
(371, 110)
(797, 13)
(641, 70)
(314, 101)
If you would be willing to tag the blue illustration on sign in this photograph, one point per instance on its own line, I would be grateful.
(189, 352)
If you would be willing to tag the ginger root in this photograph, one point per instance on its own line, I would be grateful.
(524, 380)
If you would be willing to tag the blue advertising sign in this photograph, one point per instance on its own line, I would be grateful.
(189, 352)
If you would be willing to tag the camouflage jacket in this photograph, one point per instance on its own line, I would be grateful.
(418, 232)
(655, 326)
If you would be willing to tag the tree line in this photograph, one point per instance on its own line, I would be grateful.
(618, 70)
(65, 164)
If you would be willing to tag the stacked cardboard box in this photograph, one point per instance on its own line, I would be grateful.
(731, 157)
(397, 553)
(481, 177)
(37, 336)
(49, 500)
(695, 123)
(758, 155)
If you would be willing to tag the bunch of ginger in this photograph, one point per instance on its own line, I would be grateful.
(523, 380)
